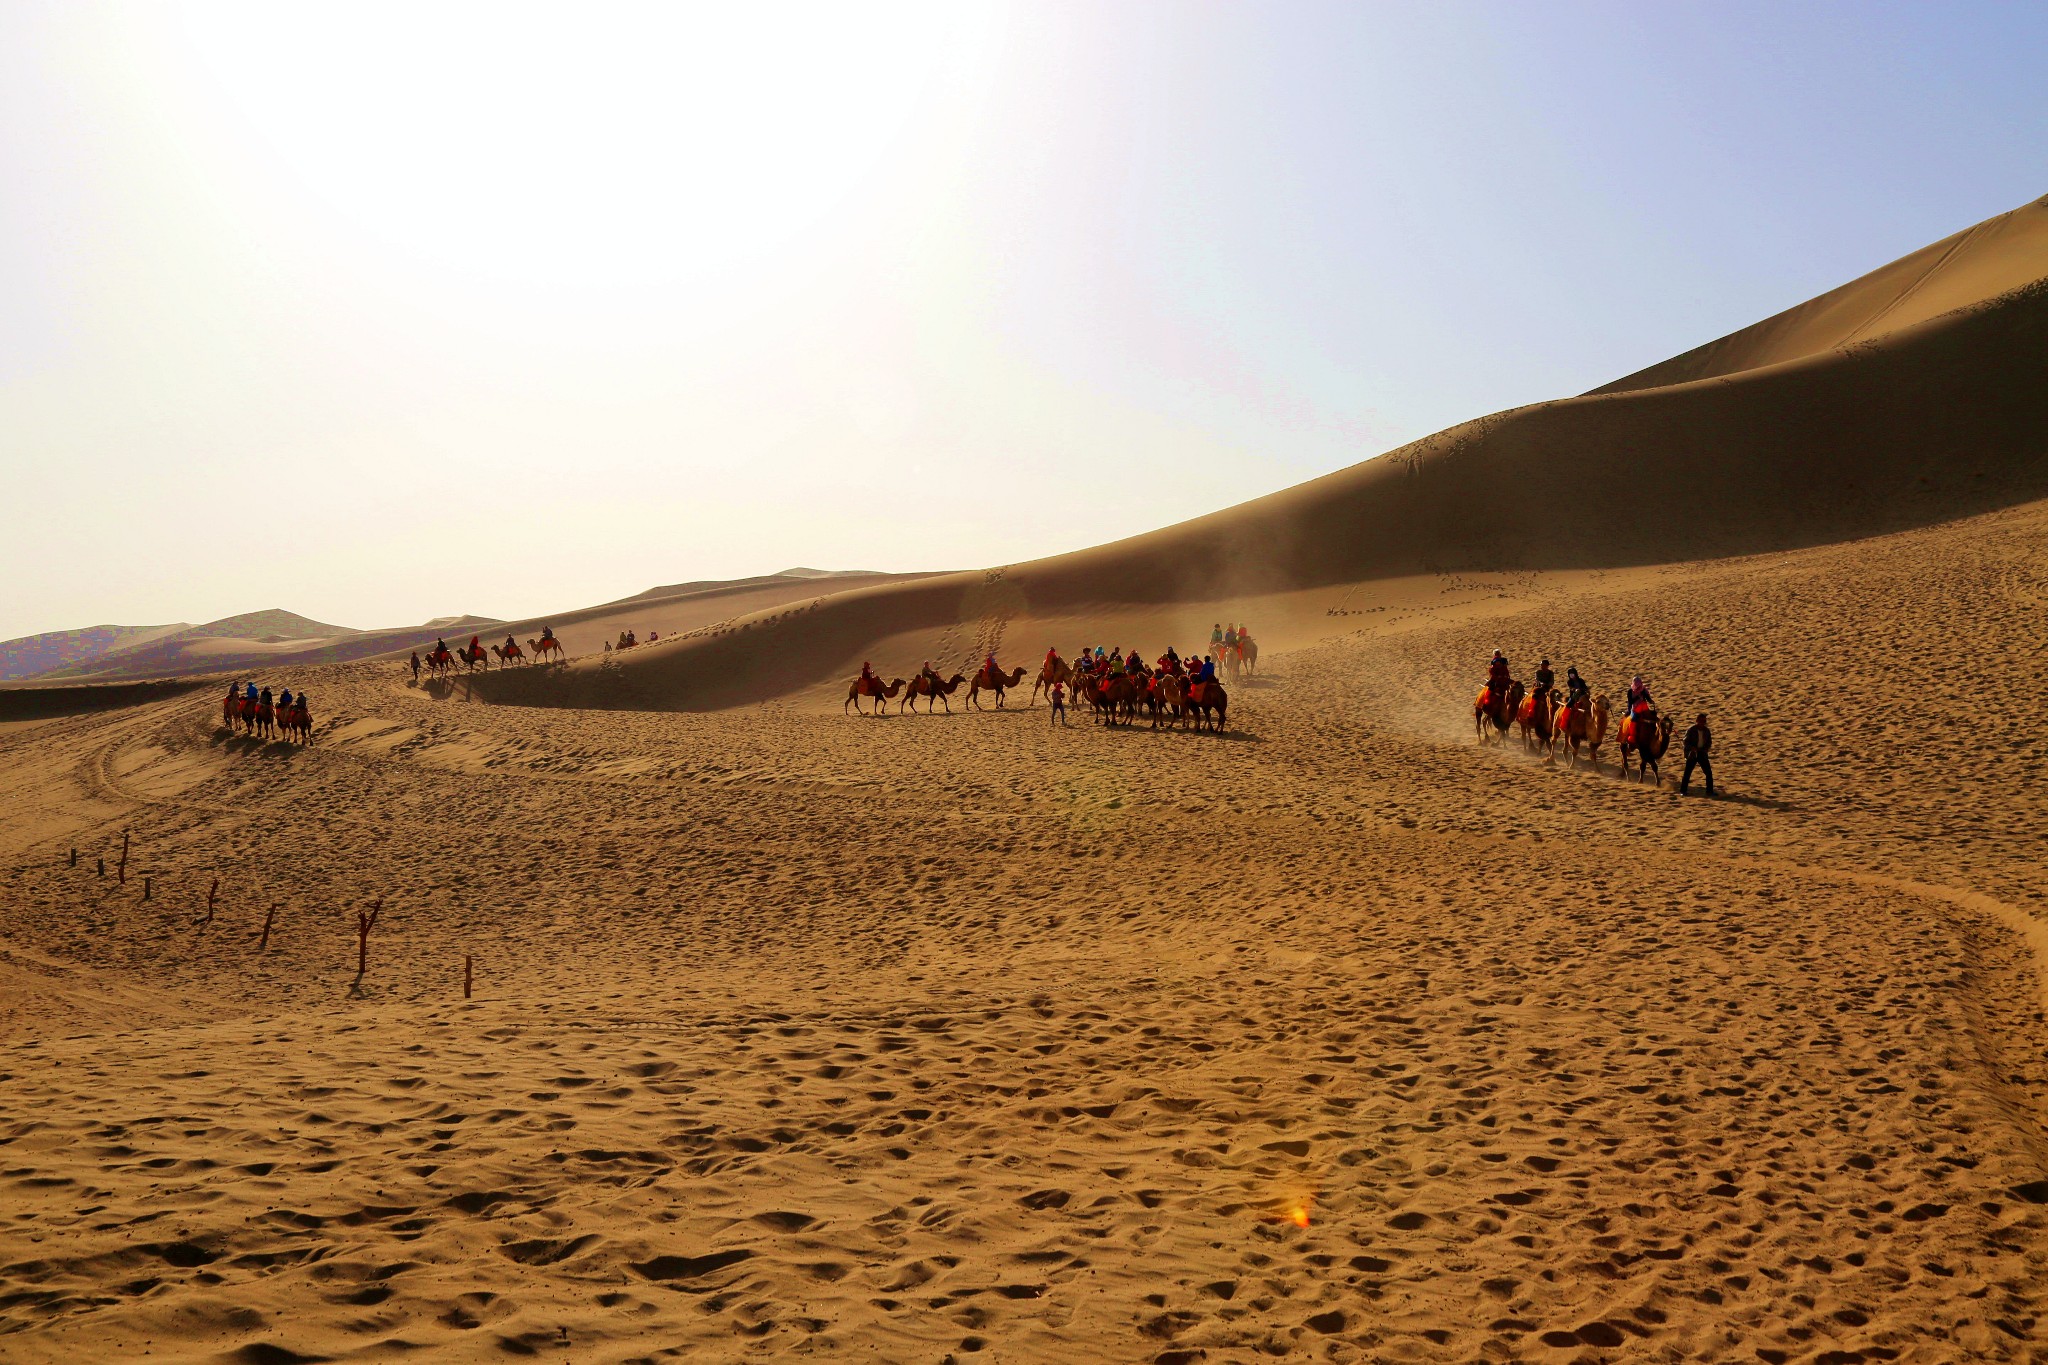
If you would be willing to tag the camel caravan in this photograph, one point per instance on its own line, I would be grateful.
(441, 660)
(1547, 719)
(1115, 686)
(261, 716)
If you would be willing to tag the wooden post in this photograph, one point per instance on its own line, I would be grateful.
(269, 918)
(145, 888)
(212, 895)
(366, 920)
(74, 857)
(123, 870)
(467, 963)
(99, 867)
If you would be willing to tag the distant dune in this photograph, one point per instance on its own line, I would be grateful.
(273, 640)
(32, 655)
(1916, 395)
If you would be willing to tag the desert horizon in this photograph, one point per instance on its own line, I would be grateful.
(1562, 884)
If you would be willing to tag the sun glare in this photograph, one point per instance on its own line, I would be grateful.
(605, 146)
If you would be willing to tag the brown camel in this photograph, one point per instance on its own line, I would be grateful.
(542, 648)
(1249, 649)
(1536, 719)
(871, 687)
(1647, 741)
(1587, 725)
(1499, 710)
(996, 681)
(932, 689)
(1211, 704)
(1054, 670)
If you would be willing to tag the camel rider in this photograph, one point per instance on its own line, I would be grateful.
(251, 694)
(1052, 656)
(1545, 679)
(928, 673)
(867, 675)
(510, 644)
(1208, 674)
(1639, 703)
(440, 647)
(1230, 637)
(475, 646)
(284, 701)
(1576, 693)
(1497, 679)
(988, 666)
(547, 633)
(264, 700)
(1215, 637)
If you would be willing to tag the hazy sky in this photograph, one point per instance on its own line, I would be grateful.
(384, 312)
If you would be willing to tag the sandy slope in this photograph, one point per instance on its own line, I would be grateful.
(1995, 257)
(956, 1037)
(1944, 418)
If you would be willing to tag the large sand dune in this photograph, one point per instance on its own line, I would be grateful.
(1921, 422)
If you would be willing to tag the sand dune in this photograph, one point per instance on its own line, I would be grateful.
(1926, 421)
(1996, 257)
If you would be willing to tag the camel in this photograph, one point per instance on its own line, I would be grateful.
(1248, 649)
(871, 687)
(297, 724)
(1578, 725)
(507, 653)
(480, 657)
(1536, 720)
(1648, 748)
(440, 661)
(996, 681)
(931, 688)
(1500, 710)
(1054, 670)
(1172, 700)
(1208, 697)
(542, 648)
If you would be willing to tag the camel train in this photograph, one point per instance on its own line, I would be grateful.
(1116, 689)
(474, 655)
(259, 715)
(1576, 720)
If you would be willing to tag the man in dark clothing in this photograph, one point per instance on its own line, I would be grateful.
(1699, 744)
(1545, 679)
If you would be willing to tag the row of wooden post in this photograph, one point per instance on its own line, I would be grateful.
(366, 920)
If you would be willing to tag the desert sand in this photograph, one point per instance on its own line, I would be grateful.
(1336, 1036)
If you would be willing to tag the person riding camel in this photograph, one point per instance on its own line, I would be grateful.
(1230, 637)
(1545, 679)
(250, 695)
(284, 701)
(475, 646)
(440, 647)
(1639, 704)
(1576, 693)
(547, 633)
(868, 681)
(511, 645)
(1215, 637)
(1208, 674)
(1497, 679)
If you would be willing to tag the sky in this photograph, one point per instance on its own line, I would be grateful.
(379, 312)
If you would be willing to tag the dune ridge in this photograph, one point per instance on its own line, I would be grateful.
(1933, 420)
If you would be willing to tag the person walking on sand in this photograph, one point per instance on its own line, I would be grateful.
(415, 665)
(1699, 745)
(1059, 703)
